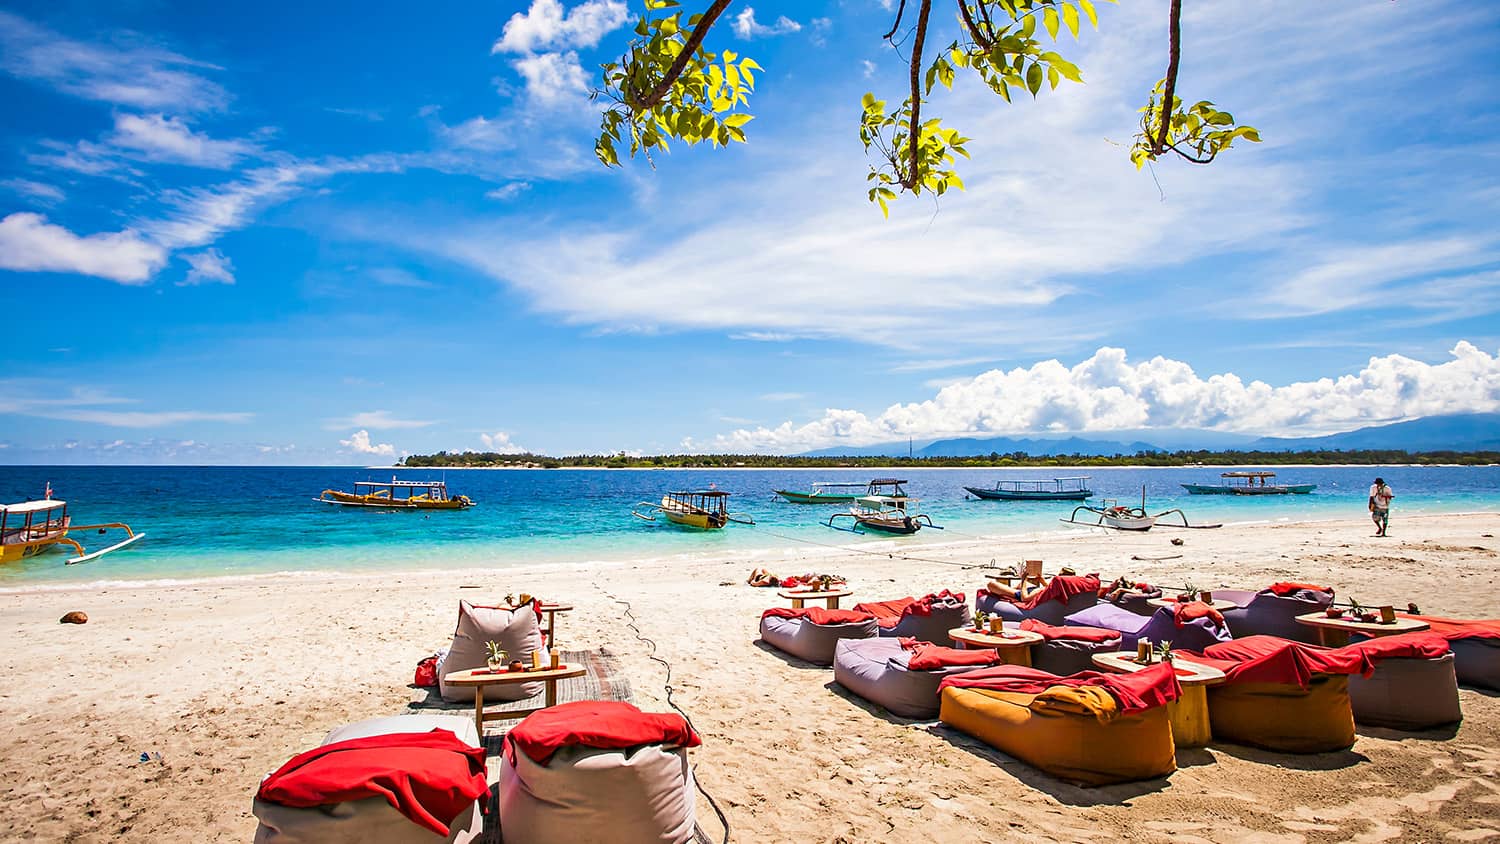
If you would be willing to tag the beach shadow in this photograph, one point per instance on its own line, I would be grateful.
(1479, 690)
(1443, 733)
(793, 661)
(1334, 761)
(1192, 757)
(1062, 792)
(873, 708)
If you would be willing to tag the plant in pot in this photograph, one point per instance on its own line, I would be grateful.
(1188, 594)
(494, 655)
(510, 599)
(1164, 648)
(981, 619)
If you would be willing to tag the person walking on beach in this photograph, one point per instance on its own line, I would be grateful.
(1380, 505)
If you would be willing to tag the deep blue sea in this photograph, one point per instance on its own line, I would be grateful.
(218, 521)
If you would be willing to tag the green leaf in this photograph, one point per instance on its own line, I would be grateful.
(1070, 17)
(1034, 79)
(1049, 19)
(736, 120)
(749, 64)
(1088, 9)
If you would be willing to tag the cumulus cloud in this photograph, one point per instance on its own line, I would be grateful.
(28, 243)
(359, 443)
(499, 442)
(544, 26)
(553, 79)
(208, 267)
(1107, 392)
(380, 420)
(509, 190)
(156, 137)
(746, 27)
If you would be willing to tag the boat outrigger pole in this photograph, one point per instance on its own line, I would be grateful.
(131, 536)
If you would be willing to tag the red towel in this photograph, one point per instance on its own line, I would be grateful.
(1183, 613)
(885, 609)
(902, 607)
(1137, 692)
(1423, 644)
(1060, 588)
(1079, 634)
(1459, 628)
(926, 656)
(819, 615)
(603, 724)
(1270, 659)
(1289, 587)
(428, 777)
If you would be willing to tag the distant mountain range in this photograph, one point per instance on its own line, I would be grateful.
(1457, 432)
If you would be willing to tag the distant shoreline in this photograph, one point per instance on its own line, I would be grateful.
(970, 468)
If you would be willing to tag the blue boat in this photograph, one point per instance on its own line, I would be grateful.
(1056, 489)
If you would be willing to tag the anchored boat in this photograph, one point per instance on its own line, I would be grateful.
(1249, 483)
(836, 493)
(397, 495)
(32, 527)
(1112, 514)
(1056, 489)
(706, 509)
(883, 513)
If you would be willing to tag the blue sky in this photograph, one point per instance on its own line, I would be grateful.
(247, 233)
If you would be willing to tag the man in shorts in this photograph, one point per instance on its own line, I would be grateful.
(1380, 505)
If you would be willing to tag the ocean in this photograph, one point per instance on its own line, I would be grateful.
(211, 521)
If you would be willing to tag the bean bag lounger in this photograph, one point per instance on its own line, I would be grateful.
(1135, 600)
(1063, 594)
(928, 618)
(517, 630)
(408, 778)
(600, 772)
(1087, 728)
(1273, 612)
(1192, 627)
(1414, 685)
(811, 633)
(903, 680)
(1282, 695)
(1475, 644)
(1109, 617)
(1068, 650)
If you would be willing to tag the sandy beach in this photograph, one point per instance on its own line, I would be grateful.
(226, 680)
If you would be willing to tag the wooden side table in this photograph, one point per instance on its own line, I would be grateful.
(1189, 713)
(551, 611)
(1334, 632)
(831, 596)
(1014, 645)
(480, 678)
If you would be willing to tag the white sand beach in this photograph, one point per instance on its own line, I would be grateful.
(226, 680)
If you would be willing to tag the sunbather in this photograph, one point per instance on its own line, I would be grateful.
(761, 577)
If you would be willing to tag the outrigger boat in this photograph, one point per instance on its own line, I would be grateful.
(706, 509)
(32, 527)
(1056, 489)
(828, 492)
(1112, 514)
(883, 513)
(1249, 483)
(433, 495)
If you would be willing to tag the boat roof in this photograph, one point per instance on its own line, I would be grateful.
(33, 506)
(707, 493)
(421, 484)
(888, 481)
(1248, 475)
(840, 483)
(883, 499)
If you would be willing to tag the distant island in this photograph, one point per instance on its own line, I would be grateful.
(620, 460)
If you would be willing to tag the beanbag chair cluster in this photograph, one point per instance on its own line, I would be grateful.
(1414, 685)
(1273, 612)
(928, 618)
(1063, 594)
(597, 771)
(517, 630)
(811, 633)
(880, 670)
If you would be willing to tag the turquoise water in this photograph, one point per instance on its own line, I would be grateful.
(217, 521)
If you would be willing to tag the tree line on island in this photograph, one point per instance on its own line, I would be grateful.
(620, 460)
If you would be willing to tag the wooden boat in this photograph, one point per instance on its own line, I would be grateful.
(33, 527)
(397, 495)
(1112, 514)
(882, 513)
(1056, 489)
(1249, 483)
(706, 509)
(825, 493)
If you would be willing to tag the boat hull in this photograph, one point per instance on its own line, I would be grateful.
(815, 498)
(701, 521)
(1224, 489)
(898, 527)
(1008, 495)
(349, 499)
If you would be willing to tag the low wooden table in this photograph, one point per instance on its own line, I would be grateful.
(1189, 713)
(551, 611)
(1218, 603)
(1014, 645)
(479, 678)
(1334, 632)
(831, 596)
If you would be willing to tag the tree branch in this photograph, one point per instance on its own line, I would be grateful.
(910, 181)
(983, 42)
(1169, 94)
(700, 31)
(900, 11)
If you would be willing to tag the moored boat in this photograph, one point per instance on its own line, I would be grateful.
(829, 492)
(1249, 483)
(397, 495)
(883, 513)
(1055, 489)
(1112, 514)
(33, 527)
(706, 509)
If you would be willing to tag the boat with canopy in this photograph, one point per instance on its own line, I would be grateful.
(1055, 489)
(829, 492)
(704, 509)
(1249, 483)
(883, 514)
(397, 495)
(33, 527)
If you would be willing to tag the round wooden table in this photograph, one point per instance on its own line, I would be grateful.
(1334, 632)
(479, 678)
(831, 596)
(1014, 645)
(1189, 713)
(1218, 603)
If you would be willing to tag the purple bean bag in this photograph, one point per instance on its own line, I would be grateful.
(1135, 601)
(1109, 617)
(933, 627)
(1269, 614)
(875, 669)
(812, 642)
(1051, 612)
(1195, 635)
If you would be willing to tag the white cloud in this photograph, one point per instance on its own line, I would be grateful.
(156, 137)
(28, 243)
(381, 420)
(509, 190)
(869, 67)
(746, 27)
(359, 443)
(499, 442)
(544, 26)
(126, 73)
(43, 193)
(1106, 392)
(208, 266)
(397, 277)
(554, 79)
(46, 400)
(1342, 277)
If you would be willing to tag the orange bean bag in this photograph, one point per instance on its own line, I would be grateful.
(1062, 731)
(1284, 716)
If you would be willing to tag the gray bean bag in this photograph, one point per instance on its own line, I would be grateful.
(1051, 612)
(1477, 662)
(1407, 694)
(371, 819)
(519, 634)
(875, 669)
(1269, 614)
(945, 615)
(1069, 656)
(807, 640)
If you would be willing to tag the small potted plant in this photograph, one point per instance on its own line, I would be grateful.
(524, 600)
(1165, 649)
(510, 599)
(495, 655)
(981, 620)
(1188, 594)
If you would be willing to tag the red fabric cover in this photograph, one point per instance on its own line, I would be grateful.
(1079, 634)
(807, 579)
(426, 674)
(925, 656)
(883, 610)
(1136, 692)
(1459, 628)
(902, 607)
(1423, 644)
(1059, 588)
(819, 615)
(1183, 613)
(602, 724)
(428, 777)
(1271, 659)
(1286, 588)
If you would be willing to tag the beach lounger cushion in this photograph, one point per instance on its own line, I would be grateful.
(1407, 693)
(1272, 614)
(1136, 601)
(1078, 593)
(1477, 662)
(518, 631)
(1162, 626)
(928, 619)
(1283, 716)
(877, 670)
(1069, 656)
(1108, 617)
(806, 639)
(370, 819)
